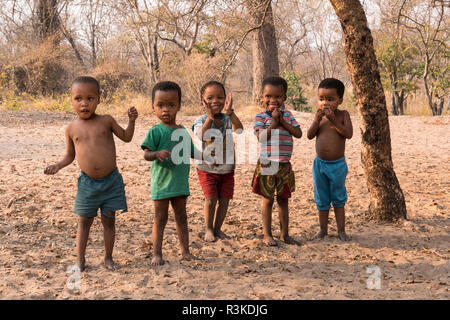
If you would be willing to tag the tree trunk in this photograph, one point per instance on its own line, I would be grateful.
(155, 59)
(387, 201)
(46, 24)
(73, 45)
(428, 93)
(401, 100)
(394, 105)
(436, 109)
(46, 20)
(264, 45)
(93, 51)
(405, 102)
(441, 105)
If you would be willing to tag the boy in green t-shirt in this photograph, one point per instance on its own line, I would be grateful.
(169, 148)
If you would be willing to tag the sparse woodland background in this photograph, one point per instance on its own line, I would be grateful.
(129, 45)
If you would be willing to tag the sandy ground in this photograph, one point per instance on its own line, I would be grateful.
(37, 226)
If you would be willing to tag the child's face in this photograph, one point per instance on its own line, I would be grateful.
(85, 98)
(166, 106)
(214, 97)
(273, 97)
(328, 98)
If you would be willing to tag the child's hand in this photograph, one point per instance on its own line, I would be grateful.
(330, 115)
(319, 115)
(132, 114)
(163, 155)
(228, 105)
(209, 110)
(51, 169)
(276, 115)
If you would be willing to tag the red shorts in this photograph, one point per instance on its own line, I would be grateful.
(216, 185)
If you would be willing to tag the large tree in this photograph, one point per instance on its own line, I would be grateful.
(264, 44)
(46, 20)
(387, 201)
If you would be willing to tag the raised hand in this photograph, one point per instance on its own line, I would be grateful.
(132, 114)
(163, 155)
(276, 115)
(51, 169)
(228, 104)
(329, 114)
(319, 115)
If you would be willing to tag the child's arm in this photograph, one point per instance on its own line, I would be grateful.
(295, 131)
(68, 157)
(207, 124)
(344, 129)
(125, 134)
(235, 122)
(161, 155)
(314, 128)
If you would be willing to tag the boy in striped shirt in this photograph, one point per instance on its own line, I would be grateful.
(273, 176)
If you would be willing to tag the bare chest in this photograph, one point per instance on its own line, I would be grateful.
(326, 127)
(89, 134)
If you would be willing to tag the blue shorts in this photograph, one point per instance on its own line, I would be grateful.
(106, 194)
(329, 183)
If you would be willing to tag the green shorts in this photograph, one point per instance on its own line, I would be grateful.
(106, 194)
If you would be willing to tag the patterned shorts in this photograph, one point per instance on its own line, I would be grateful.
(280, 184)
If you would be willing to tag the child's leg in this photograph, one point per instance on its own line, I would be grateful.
(161, 214)
(323, 221)
(220, 217)
(179, 208)
(84, 225)
(284, 221)
(109, 236)
(267, 204)
(340, 221)
(208, 212)
(321, 195)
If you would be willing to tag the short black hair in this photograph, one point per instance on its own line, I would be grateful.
(166, 86)
(332, 83)
(210, 84)
(87, 79)
(275, 81)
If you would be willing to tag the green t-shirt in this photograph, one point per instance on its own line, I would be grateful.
(169, 178)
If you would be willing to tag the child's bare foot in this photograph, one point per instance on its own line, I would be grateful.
(221, 235)
(110, 264)
(81, 264)
(343, 236)
(209, 236)
(320, 235)
(289, 240)
(269, 241)
(157, 261)
(188, 256)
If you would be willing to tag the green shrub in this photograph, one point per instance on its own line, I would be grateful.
(295, 93)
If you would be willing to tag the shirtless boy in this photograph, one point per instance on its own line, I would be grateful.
(89, 139)
(331, 127)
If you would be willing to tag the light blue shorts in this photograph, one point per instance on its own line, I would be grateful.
(329, 183)
(106, 194)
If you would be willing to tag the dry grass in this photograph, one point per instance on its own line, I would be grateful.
(119, 104)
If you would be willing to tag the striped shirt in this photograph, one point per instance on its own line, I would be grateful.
(279, 147)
